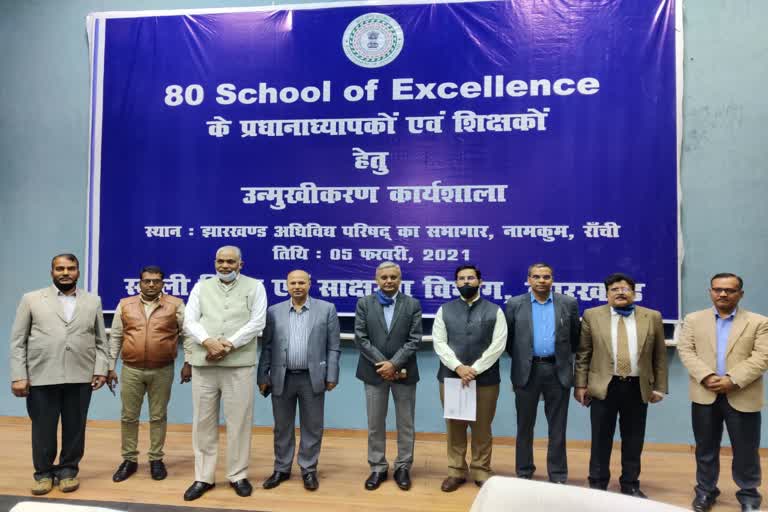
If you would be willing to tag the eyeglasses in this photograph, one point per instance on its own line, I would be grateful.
(727, 291)
(466, 279)
(152, 281)
(620, 289)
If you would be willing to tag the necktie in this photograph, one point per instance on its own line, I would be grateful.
(623, 366)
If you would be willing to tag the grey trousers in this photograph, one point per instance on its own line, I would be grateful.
(377, 402)
(298, 388)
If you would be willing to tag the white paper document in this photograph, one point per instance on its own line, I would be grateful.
(460, 402)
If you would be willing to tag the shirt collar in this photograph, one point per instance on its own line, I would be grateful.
(729, 317)
(227, 286)
(549, 299)
(59, 293)
(150, 302)
(306, 304)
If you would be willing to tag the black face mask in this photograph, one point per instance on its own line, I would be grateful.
(65, 287)
(468, 291)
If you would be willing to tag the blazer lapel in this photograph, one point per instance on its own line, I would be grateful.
(558, 314)
(642, 325)
(604, 329)
(53, 302)
(79, 303)
(312, 319)
(710, 357)
(285, 332)
(527, 317)
(379, 312)
(740, 323)
(396, 314)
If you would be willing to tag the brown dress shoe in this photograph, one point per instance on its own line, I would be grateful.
(42, 486)
(452, 483)
(69, 484)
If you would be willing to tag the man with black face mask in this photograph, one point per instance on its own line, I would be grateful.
(469, 335)
(58, 357)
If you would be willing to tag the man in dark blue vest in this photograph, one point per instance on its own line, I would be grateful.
(469, 335)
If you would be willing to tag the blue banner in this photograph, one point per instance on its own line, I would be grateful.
(333, 138)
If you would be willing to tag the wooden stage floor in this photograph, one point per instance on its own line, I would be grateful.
(668, 473)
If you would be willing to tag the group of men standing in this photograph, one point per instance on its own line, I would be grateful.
(60, 354)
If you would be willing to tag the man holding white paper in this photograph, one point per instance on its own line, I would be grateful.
(469, 335)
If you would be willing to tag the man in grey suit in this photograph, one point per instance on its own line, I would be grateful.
(543, 329)
(58, 357)
(299, 362)
(388, 333)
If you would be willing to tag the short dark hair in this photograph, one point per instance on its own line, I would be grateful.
(722, 275)
(540, 264)
(152, 269)
(618, 276)
(66, 256)
(466, 267)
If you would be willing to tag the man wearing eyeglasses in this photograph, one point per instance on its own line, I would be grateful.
(468, 336)
(621, 366)
(725, 349)
(146, 329)
(543, 335)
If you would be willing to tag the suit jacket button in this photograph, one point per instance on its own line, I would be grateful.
(67, 348)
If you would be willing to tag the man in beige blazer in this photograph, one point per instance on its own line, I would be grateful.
(58, 356)
(725, 350)
(621, 366)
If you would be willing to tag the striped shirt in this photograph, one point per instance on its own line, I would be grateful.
(298, 337)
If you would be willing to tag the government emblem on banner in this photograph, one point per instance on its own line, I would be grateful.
(373, 40)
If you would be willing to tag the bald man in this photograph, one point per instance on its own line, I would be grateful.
(299, 362)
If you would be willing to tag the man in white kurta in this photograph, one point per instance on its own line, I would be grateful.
(224, 317)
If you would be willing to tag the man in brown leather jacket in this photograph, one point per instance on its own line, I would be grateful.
(146, 327)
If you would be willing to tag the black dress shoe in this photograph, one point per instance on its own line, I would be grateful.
(634, 492)
(375, 479)
(242, 487)
(275, 479)
(157, 470)
(403, 478)
(746, 507)
(197, 489)
(452, 483)
(702, 503)
(310, 481)
(126, 469)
